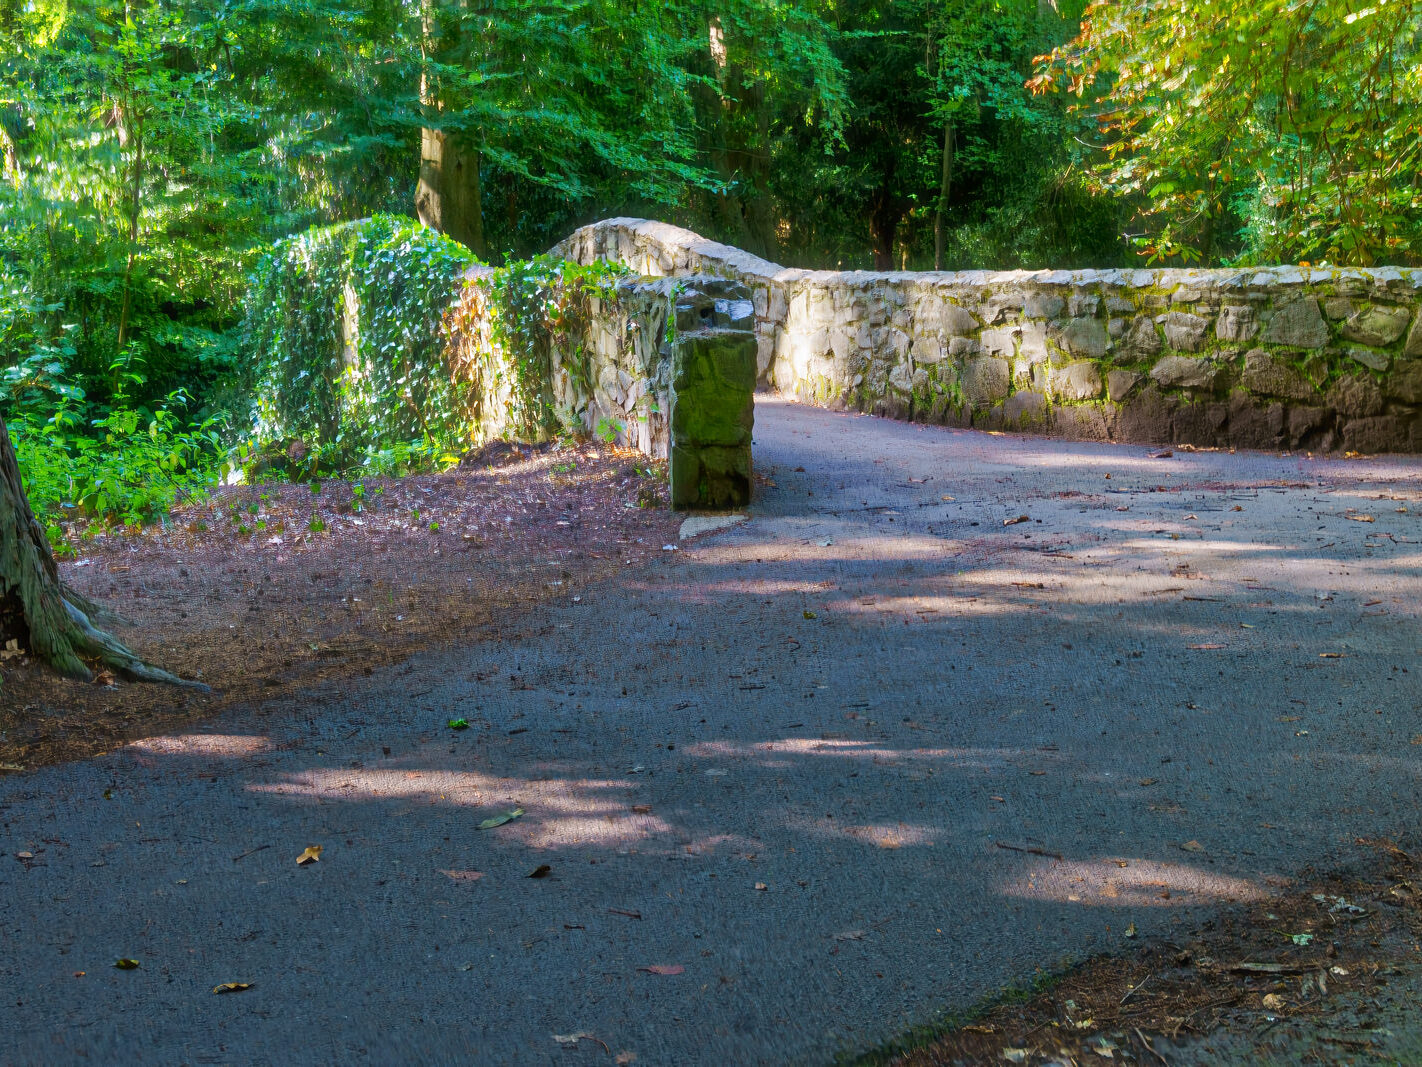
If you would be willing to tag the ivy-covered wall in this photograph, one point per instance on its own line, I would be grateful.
(368, 336)
(379, 336)
(1285, 357)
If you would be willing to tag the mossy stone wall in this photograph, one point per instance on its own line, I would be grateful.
(1278, 358)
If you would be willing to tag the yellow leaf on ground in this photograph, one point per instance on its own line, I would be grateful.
(232, 987)
(311, 855)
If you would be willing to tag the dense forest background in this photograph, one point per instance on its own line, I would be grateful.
(152, 151)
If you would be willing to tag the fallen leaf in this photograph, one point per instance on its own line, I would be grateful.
(1017, 1055)
(1014, 522)
(1193, 846)
(126, 964)
(543, 870)
(1104, 1048)
(459, 724)
(24, 855)
(1332, 655)
(850, 935)
(1162, 455)
(761, 886)
(463, 876)
(624, 1058)
(641, 809)
(78, 974)
(1205, 647)
(232, 987)
(663, 968)
(6, 768)
(1149, 781)
(571, 1040)
(947, 498)
(1361, 518)
(499, 820)
(810, 615)
(311, 855)
(1131, 930)
(1273, 1002)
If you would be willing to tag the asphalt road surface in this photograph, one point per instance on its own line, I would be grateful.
(872, 754)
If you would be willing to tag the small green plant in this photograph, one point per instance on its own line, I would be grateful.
(358, 497)
(609, 430)
(316, 525)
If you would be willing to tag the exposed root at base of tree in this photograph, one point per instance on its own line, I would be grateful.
(88, 640)
(34, 602)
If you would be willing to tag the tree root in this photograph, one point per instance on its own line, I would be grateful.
(88, 640)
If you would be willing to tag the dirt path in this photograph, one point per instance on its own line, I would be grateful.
(266, 590)
(798, 786)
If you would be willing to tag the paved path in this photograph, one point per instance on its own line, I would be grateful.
(872, 754)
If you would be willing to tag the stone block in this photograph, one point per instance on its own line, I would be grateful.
(1405, 382)
(958, 322)
(1085, 422)
(1298, 324)
(1043, 306)
(999, 341)
(986, 381)
(1253, 424)
(1356, 396)
(1237, 322)
(1305, 424)
(963, 347)
(1142, 342)
(1033, 341)
(1083, 304)
(713, 376)
(1383, 433)
(1370, 358)
(1267, 374)
(1025, 408)
(1201, 422)
(1185, 331)
(1376, 325)
(1077, 381)
(1148, 418)
(1121, 383)
(1413, 348)
(717, 478)
(1085, 337)
(1185, 372)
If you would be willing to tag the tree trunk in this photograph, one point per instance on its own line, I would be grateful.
(35, 608)
(940, 222)
(448, 197)
(884, 226)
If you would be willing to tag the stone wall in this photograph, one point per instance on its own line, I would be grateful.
(1283, 357)
(663, 365)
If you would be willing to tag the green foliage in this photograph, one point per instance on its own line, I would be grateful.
(536, 307)
(1261, 132)
(351, 331)
(345, 332)
(130, 466)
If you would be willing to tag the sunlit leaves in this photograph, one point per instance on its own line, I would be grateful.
(1274, 130)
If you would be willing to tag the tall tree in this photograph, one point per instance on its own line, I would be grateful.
(1267, 131)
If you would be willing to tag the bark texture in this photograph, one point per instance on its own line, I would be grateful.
(448, 197)
(55, 623)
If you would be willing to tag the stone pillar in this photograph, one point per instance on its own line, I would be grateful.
(713, 373)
